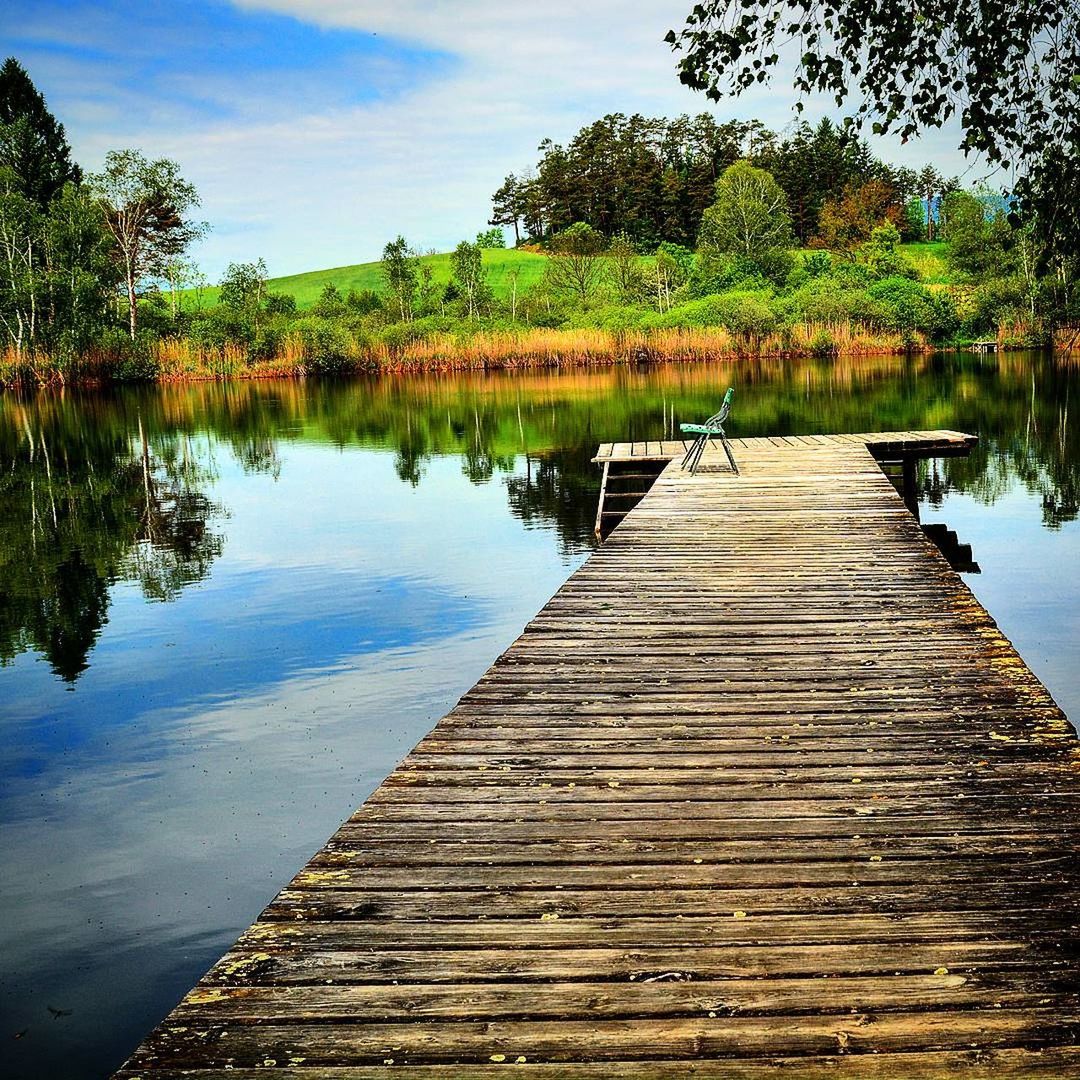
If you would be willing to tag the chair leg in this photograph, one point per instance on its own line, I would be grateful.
(693, 454)
(730, 455)
(699, 450)
(704, 446)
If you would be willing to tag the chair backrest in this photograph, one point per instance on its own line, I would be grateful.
(725, 408)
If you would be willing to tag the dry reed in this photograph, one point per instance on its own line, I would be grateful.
(182, 359)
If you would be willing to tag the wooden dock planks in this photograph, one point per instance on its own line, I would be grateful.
(882, 444)
(761, 791)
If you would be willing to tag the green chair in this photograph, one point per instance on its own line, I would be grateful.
(704, 433)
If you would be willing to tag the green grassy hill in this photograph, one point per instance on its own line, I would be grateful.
(928, 259)
(499, 263)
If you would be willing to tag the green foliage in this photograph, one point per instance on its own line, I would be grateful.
(981, 241)
(616, 318)
(575, 268)
(627, 274)
(331, 304)
(911, 307)
(280, 304)
(992, 303)
(848, 222)
(823, 344)
(490, 238)
(363, 301)
(817, 264)
(749, 217)
(401, 274)
(1007, 70)
(327, 349)
(56, 272)
(244, 286)
(913, 222)
(144, 204)
(467, 270)
(648, 177)
(834, 302)
(747, 314)
(814, 165)
(712, 274)
(32, 143)
(881, 253)
(81, 274)
(221, 326)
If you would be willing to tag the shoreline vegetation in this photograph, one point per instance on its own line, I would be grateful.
(178, 360)
(643, 239)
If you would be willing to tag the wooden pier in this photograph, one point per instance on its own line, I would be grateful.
(639, 463)
(762, 791)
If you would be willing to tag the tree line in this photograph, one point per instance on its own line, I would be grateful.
(651, 179)
(1008, 73)
(76, 249)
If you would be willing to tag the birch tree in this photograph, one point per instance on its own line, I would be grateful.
(145, 206)
(750, 216)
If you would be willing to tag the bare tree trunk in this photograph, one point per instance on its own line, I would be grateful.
(132, 303)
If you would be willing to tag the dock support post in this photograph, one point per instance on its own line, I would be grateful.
(600, 503)
(911, 494)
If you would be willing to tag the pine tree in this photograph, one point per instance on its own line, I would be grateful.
(32, 142)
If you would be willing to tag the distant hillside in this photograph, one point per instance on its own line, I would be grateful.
(497, 261)
(928, 259)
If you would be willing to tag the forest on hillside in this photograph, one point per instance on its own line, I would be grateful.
(651, 179)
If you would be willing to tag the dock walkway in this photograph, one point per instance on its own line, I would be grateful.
(761, 791)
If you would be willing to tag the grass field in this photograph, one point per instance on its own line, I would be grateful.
(929, 260)
(500, 263)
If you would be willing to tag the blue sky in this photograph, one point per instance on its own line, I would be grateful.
(126, 67)
(316, 130)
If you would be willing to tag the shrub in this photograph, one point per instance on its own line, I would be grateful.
(713, 274)
(136, 362)
(330, 303)
(268, 341)
(817, 264)
(280, 304)
(775, 266)
(363, 301)
(326, 347)
(881, 255)
(618, 318)
(749, 315)
(910, 307)
(827, 300)
(823, 344)
(221, 326)
(992, 303)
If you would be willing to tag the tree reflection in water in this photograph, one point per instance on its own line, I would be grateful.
(97, 489)
(79, 514)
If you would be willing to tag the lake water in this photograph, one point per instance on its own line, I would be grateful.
(227, 611)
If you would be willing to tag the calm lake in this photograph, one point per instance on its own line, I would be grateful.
(227, 611)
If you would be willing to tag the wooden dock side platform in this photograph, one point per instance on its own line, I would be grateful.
(761, 792)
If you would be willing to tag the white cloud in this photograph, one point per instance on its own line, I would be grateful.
(317, 187)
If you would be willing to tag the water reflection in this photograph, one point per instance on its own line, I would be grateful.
(82, 507)
(225, 611)
(105, 488)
